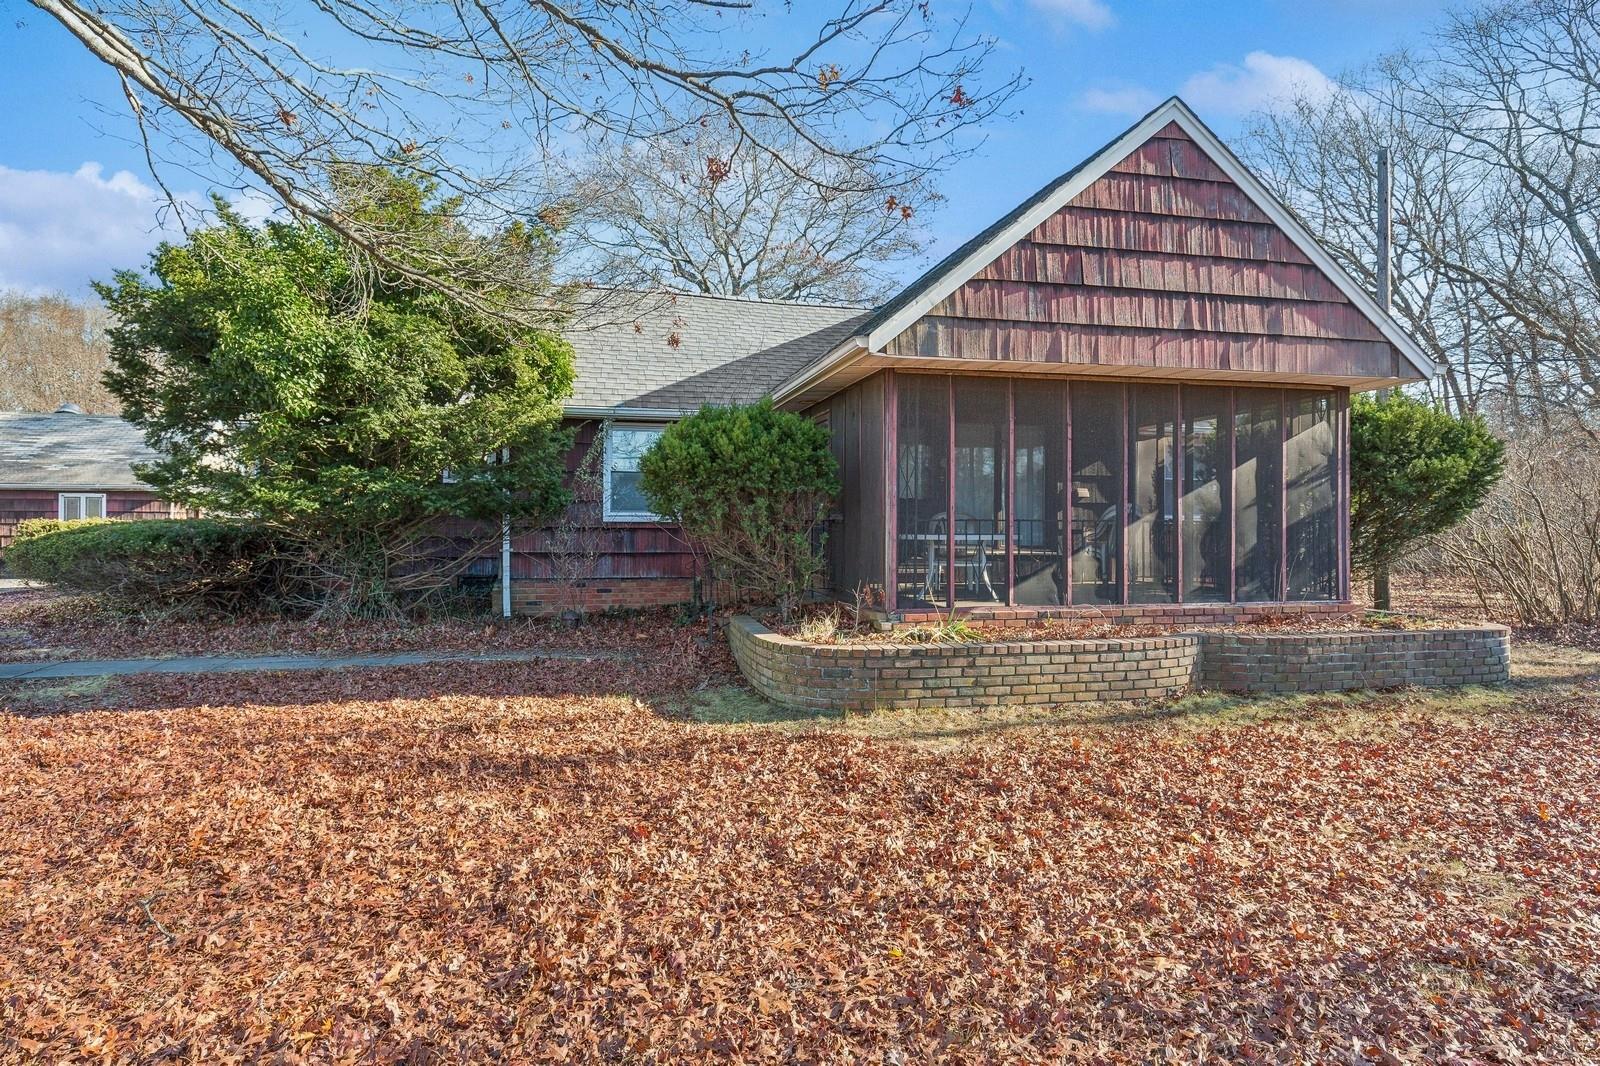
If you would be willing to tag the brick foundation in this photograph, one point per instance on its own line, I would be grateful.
(553, 597)
(1044, 672)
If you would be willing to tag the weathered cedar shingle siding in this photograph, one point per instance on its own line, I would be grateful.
(18, 505)
(1162, 263)
(622, 549)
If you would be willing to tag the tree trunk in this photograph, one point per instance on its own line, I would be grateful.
(1380, 586)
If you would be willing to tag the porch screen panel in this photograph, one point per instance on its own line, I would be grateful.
(1206, 465)
(1310, 497)
(855, 546)
(1257, 488)
(1152, 494)
(1096, 498)
(1039, 470)
(922, 488)
(981, 507)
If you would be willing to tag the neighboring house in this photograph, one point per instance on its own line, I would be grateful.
(67, 464)
(1131, 393)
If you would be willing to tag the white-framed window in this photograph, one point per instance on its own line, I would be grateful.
(498, 457)
(71, 506)
(625, 444)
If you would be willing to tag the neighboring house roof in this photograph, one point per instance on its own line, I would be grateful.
(673, 352)
(68, 451)
(916, 299)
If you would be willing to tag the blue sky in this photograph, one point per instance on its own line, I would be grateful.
(76, 198)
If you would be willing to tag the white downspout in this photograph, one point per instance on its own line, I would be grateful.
(505, 566)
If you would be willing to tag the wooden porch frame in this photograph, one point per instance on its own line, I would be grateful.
(1340, 417)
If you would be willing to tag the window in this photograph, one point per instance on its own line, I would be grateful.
(1257, 493)
(979, 519)
(923, 536)
(495, 458)
(1152, 494)
(1112, 493)
(625, 445)
(1204, 514)
(72, 506)
(1098, 415)
(1310, 498)
(1038, 459)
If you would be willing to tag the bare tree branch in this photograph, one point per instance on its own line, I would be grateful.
(480, 97)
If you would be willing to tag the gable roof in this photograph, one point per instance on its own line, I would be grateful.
(69, 451)
(923, 294)
(670, 353)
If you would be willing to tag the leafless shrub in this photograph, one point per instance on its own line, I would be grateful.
(575, 541)
(1535, 543)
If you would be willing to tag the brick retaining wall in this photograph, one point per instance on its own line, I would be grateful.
(1335, 662)
(868, 676)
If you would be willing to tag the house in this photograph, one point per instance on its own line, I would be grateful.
(66, 464)
(1130, 393)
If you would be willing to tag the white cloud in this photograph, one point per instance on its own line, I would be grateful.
(59, 230)
(1263, 79)
(1227, 90)
(1092, 14)
(1131, 100)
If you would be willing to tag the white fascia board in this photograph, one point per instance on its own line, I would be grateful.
(628, 414)
(842, 353)
(1174, 110)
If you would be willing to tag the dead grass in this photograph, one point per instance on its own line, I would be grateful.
(641, 862)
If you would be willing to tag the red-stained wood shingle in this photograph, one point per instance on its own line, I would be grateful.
(1160, 263)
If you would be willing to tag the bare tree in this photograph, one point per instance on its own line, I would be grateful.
(1320, 154)
(712, 212)
(1495, 124)
(53, 350)
(880, 92)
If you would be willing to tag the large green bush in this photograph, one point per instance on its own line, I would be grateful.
(1415, 470)
(162, 564)
(287, 380)
(750, 485)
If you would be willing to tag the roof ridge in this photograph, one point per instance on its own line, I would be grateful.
(71, 414)
(666, 291)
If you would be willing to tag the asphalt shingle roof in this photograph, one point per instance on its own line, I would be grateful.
(727, 350)
(69, 451)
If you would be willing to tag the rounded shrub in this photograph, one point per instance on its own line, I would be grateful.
(193, 563)
(750, 484)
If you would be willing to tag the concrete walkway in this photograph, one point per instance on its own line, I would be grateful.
(235, 664)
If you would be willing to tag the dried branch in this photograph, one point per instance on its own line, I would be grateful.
(880, 97)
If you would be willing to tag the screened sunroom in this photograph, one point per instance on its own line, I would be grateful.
(1130, 392)
(1035, 491)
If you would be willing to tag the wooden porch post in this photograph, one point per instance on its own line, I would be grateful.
(1283, 495)
(950, 495)
(1066, 499)
(1011, 491)
(1233, 499)
(891, 493)
(1177, 499)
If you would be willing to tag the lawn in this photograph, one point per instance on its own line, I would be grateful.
(641, 862)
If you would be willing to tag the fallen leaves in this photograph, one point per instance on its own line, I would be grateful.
(528, 862)
(43, 624)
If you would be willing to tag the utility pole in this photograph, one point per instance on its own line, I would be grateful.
(1385, 230)
(1385, 279)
